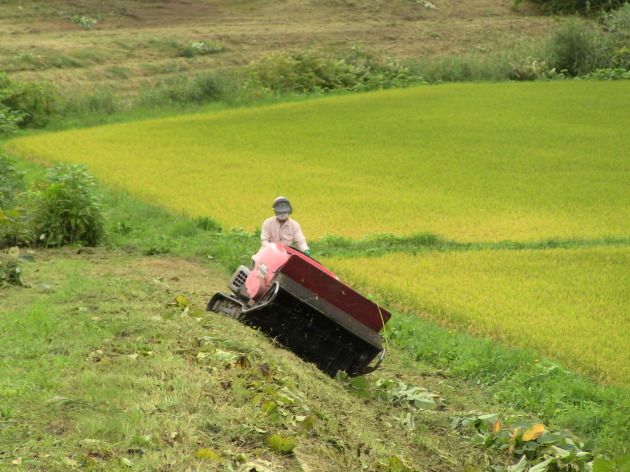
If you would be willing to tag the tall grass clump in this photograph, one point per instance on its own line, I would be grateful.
(201, 88)
(97, 101)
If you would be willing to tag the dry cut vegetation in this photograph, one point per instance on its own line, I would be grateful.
(110, 366)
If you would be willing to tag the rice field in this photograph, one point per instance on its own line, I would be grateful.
(471, 162)
(569, 304)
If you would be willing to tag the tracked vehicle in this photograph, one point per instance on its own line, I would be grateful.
(306, 308)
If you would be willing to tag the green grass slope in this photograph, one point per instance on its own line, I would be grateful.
(103, 370)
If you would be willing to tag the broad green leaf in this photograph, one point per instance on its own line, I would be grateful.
(542, 467)
(603, 465)
(360, 383)
(182, 301)
(623, 463)
(207, 455)
(397, 465)
(518, 467)
(549, 438)
(280, 444)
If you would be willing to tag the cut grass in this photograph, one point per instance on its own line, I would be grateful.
(467, 162)
(101, 371)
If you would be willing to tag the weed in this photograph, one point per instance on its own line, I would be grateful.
(86, 22)
(11, 182)
(10, 267)
(315, 71)
(201, 88)
(26, 103)
(201, 48)
(66, 209)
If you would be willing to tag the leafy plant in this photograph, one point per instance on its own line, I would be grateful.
(10, 267)
(577, 49)
(86, 22)
(9, 120)
(207, 223)
(537, 449)
(10, 182)
(315, 71)
(66, 208)
(394, 392)
(26, 104)
(201, 48)
(578, 6)
(608, 74)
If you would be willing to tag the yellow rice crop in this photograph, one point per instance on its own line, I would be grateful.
(571, 305)
(473, 162)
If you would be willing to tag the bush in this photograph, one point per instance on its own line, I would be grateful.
(577, 49)
(66, 209)
(578, 6)
(26, 103)
(618, 21)
(10, 182)
(9, 120)
(314, 71)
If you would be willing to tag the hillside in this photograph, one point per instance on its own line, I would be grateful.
(138, 40)
(108, 361)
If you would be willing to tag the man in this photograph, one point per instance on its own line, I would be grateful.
(282, 229)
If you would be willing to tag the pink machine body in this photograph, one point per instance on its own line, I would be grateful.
(296, 300)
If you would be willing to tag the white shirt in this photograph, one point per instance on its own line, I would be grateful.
(284, 232)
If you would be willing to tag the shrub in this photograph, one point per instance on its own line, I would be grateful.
(618, 21)
(578, 6)
(66, 209)
(10, 182)
(16, 227)
(9, 120)
(608, 74)
(313, 71)
(26, 103)
(576, 49)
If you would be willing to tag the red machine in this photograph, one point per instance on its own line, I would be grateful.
(297, 301)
